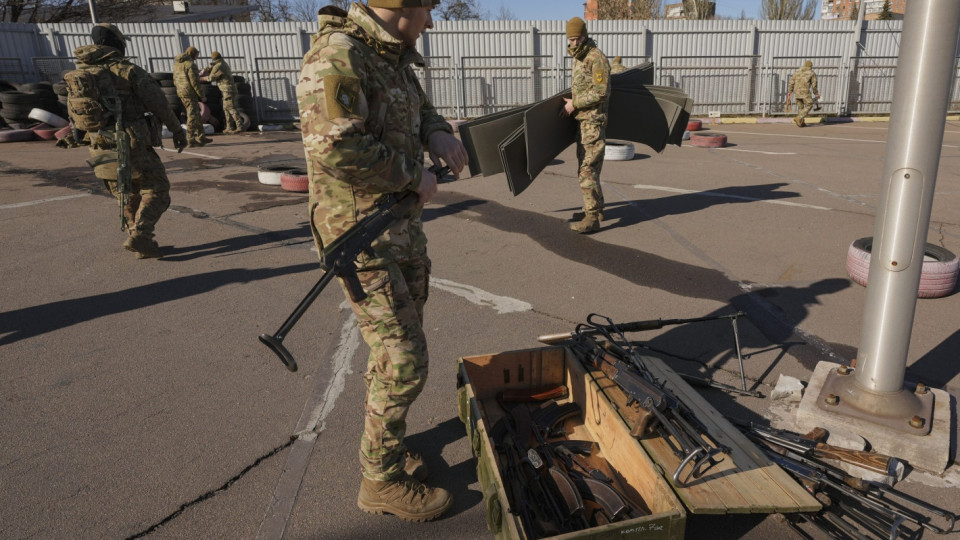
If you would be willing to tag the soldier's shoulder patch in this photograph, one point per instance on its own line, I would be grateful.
(599, 74)
(342, 95)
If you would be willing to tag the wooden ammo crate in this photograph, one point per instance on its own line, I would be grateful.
(480, 378)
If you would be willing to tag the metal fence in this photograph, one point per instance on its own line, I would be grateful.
(478, 67)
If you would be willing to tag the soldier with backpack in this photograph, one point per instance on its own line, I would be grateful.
(109, 97)
(186, 77)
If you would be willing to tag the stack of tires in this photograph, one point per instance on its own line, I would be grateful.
(16, 104)
(248, 109)
(165, 80)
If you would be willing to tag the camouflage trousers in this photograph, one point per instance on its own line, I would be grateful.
(804, 105)
(391, 322)
(591, 145)
(194, 123)
(150, 194)
(231, 112)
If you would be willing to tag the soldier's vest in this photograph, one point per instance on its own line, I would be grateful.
(91, 94)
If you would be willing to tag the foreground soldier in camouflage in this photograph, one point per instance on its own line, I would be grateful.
(221, 75)
(802, 83)
(365, 122)
(591, 86)
(186, 77)
(138, 93)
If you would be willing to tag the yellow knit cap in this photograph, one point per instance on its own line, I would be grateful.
(808, 63)
(215, 55)
(192, 51)
(576, 28)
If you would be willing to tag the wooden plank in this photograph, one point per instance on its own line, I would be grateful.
(745, 482)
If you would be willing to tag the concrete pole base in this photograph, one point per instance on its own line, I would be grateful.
(930, 451)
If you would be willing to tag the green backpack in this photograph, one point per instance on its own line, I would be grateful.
(91, 95)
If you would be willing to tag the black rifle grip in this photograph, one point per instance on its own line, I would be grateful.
(354, 288)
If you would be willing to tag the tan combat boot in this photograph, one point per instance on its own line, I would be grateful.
(403, 497)
(590, 224)
(578, 216)
(143, 247)
(205, 140)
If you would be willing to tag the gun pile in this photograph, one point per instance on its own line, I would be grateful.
(663, 413)
(852, 507)
(555, 485)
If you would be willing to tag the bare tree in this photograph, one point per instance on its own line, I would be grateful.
(306, 10)
(627, 9)
(697, 10)
(503, 13)
(56, 11)
(457, 10)
(783, 10)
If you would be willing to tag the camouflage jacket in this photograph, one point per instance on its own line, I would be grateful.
(221, 74)
(138, 91)
(591, 82)
(187, 77)
(365, 121)
(803, 83)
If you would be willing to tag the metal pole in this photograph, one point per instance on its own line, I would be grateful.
(925, 72)
(93, 10)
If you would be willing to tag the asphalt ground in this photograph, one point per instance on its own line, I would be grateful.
(135, 399)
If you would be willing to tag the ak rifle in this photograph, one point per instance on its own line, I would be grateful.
(663, 412)
(339, 260)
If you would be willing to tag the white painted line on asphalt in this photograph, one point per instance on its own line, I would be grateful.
(42, 201)
(349, 343)
(755, 151)
(819, 137)
(729, 196)
(480, 297)
(191, 153)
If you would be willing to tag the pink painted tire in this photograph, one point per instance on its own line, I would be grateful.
(708, 140)
(204, 112)
(694, 125)
(16, 135)
(295, 180)
(937, 279)
(63, 132)
(45, 132)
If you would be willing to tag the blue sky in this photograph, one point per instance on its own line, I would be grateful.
(565, 9)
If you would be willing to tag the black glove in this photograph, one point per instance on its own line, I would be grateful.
(180, 140)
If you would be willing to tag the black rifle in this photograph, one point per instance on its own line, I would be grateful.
(809, 447)
(339, 260)
(876, 508)
(665, 413)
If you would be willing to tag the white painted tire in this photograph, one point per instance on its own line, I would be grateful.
(271, 174)
(937, 278)
(48, 118)
(618, 151)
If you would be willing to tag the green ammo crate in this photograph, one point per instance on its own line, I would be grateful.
(481, 377)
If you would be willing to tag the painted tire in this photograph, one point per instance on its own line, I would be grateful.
(16, 135)
(937, 278)
(618, 151)
(708, 140)
(295, 180)
(269, 173)
(246, 120)
(694, 125)
(204, 111)
(63, 132)
(48, 118)
(45, 132)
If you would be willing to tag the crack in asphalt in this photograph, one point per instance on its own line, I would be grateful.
(225, 486)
